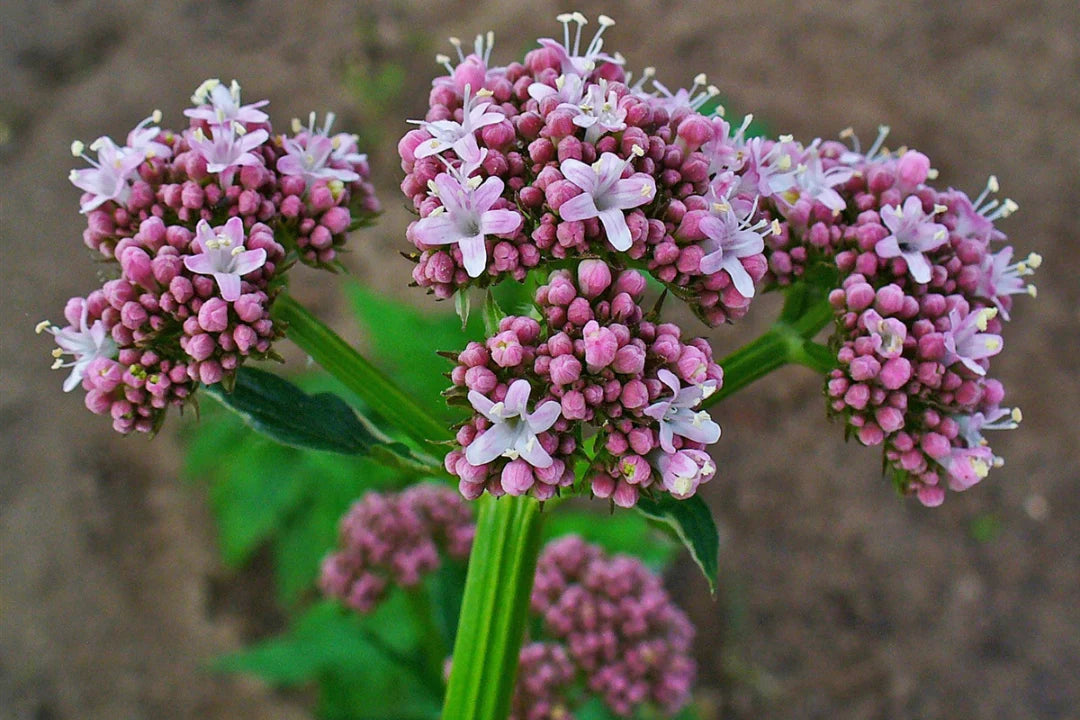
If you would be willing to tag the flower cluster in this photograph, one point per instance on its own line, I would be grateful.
(196, 229)
(919, 310)
(627, 639)
(395, 538)
(562, 156)
(596, 367)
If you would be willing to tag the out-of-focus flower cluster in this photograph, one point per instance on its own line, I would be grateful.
(920, 308)
(594, 366)
(603, 624)
(197, 228)
(563, 155)
(628, 641)
(391, 539)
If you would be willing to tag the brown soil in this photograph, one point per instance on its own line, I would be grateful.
(837, 599)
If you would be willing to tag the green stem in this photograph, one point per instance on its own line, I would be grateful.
(339, 359)
(493, 611)
(786, 342)
(432, 644)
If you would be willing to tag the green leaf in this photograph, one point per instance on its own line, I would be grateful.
(492, 314)
(280, 410)
(404, 343)
(693, 523)
(462, 306)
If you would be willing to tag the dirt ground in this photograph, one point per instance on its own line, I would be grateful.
(837, 599)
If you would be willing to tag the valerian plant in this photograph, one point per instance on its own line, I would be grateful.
(566, 175)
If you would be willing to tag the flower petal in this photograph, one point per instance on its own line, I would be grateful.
(632, 192)
(618, 232)
(918, 266)
(485, 196)
(739, 277)
(473, 254)
(517, 398)
(492, 443)
(248, 261)
(229, 283)
(500, 222)
(483, 404)
(544, 416)
(579, 173)
(530, 449)
(202, 263)
(579, 207)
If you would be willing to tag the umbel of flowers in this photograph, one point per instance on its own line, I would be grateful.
(595, 366)
(562, 156)
(926, 283)
(603, 624)
(196, 229)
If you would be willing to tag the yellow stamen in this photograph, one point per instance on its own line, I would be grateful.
(42, 326)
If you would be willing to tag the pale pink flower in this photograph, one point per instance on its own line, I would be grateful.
(606, 195)
(223, 256)
(513, 429)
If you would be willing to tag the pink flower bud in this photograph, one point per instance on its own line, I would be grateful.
(573, 406)
(210, 372)
(629, 360)
(912, 168)
(594, 277)
(603, 485)
(625, 495)
(505, 349)
(200, 346)
(480, 379)
(517, 477)
(565, 369)
(580, 312)
(630, 282)
(600, 346)
(895, 373)
(214, 315)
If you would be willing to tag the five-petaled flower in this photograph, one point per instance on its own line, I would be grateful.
(111, 175)
(223, 256)
(513, 429)
(227, 148)
(85, 344)
(310, 159)
(477, 112)
(964, 342)
(913, 233)
(728, 239)
(607, 194)
(220, 105)
(676, 415)
(466, 217)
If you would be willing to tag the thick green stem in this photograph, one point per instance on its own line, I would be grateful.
(339, 359)
(493, 611)
(787, 341)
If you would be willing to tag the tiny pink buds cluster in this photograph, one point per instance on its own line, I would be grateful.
(628, 640)
(919, 310)
(593, 366)
(561, 156)
(389, 539)
(197, 228)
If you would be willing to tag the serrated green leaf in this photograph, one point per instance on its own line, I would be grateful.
(280, 410)
(693, 523)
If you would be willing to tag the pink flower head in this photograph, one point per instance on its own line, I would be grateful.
(571, 58)
(676, 416)
(913, 234)
(513, 430)
(728, 239)
(223, 256)
(228, 148)
(682, 471)
(85, 344)
(111, 174)
(310, 158)
(220, 105)
(466, 217)
(964, 342)
(477, 112)
(606, 194)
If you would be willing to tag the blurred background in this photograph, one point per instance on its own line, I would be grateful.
(836, 600)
